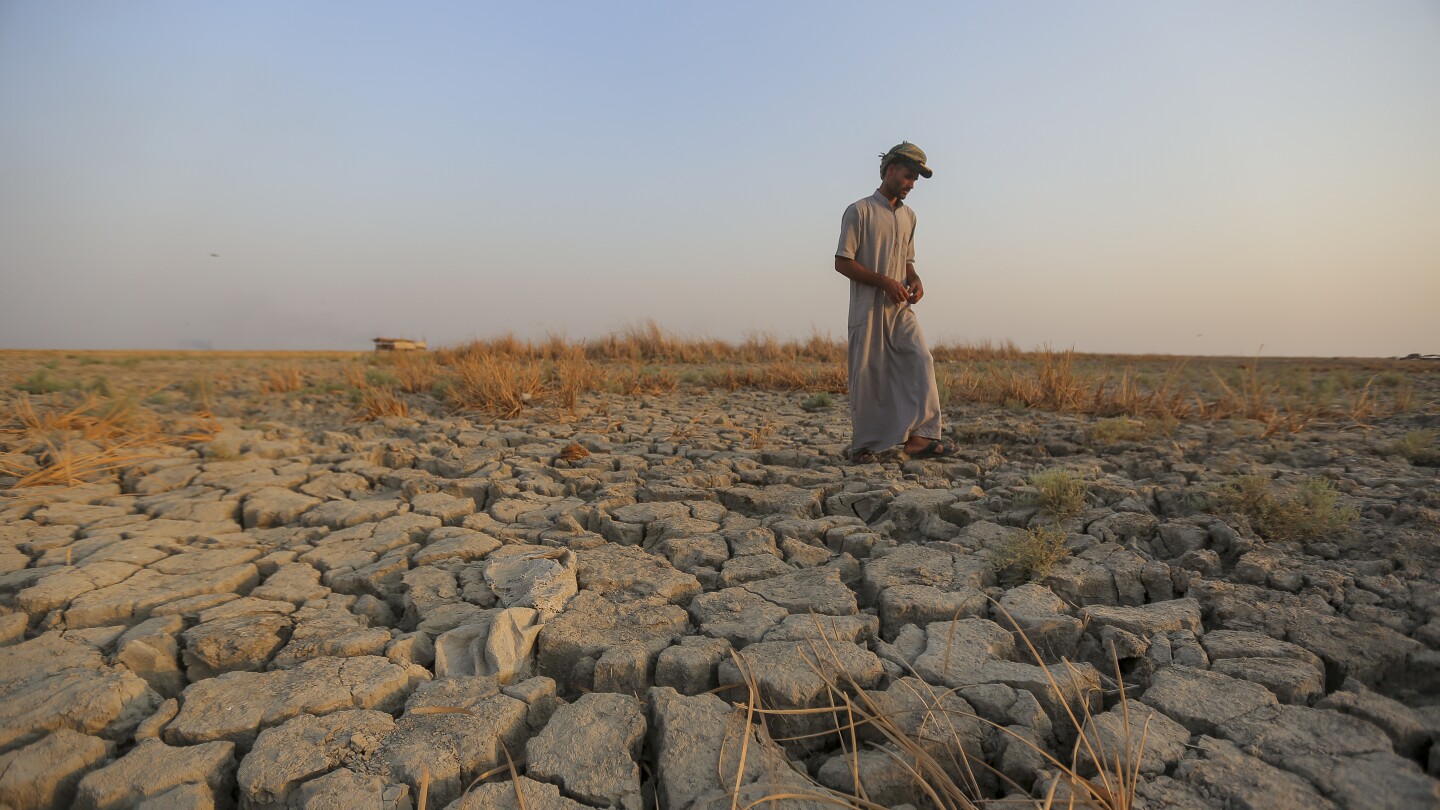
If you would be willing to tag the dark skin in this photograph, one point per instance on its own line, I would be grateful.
(896, 184)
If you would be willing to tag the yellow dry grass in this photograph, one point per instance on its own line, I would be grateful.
(282, 380)
(936, 759)
(378, 403)
(78, 442)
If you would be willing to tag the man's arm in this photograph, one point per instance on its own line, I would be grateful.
(858, 273)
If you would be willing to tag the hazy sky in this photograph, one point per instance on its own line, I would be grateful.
(1198, 178)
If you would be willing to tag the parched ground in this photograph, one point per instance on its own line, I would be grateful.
(309, 610)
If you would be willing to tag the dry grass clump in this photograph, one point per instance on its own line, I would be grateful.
(1032, 554)
(933, 752)
(641, 381)
(784, 376)
(648, 343)
(355, 377)
(974, 352)
(1059, 492)
(1309, 510)
(414, 372)
(1051, 381)
(497, 384)
(1098, 385)
(282, 380)
(378, 403)
(80, 441)
(573, 451)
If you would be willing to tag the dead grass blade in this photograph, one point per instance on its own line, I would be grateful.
(281, 380)
(378, 403)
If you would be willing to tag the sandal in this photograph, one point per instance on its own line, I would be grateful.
(863, 457)
(935, 449)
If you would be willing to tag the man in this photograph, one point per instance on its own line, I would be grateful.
(893, 397)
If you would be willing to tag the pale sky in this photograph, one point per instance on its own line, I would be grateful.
(1193, 178)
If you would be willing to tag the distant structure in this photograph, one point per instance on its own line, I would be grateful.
(1417, 356)
(384, 344)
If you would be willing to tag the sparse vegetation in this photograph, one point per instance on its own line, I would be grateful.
(1308, 510)
(378, 403)
(81, 441)
(414, 372)
(1032, 554)
(1419, 447)
(1118, 429)
(42, 383)
(925, 732)
(1059, 492)
(282, 379)
(817, 402)
(375, 378)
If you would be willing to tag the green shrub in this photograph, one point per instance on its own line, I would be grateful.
(42, 383)
(1118, 429)
(818, 401)
(376, 378)
(1034, 552)
(1309, 510)
(1059, 492)
(1418, 447)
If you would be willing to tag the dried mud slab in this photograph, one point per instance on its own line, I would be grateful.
(305, 610)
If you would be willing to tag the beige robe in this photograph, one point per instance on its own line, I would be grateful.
(892, 376)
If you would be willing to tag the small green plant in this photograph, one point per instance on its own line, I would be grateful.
(1309, 510)
(1034, 552)
(818, 401)
(1060, 492)
(86, 360)
(1118, 429)
(42, 383)
(1391, 379)
(375, 378)
(160, 398)
(100, 386)
(1419, 447)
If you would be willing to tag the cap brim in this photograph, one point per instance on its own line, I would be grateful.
(926, 172)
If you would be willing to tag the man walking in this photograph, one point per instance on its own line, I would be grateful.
(893, 397)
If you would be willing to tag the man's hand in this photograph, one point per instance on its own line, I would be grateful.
(894, 290)
(855, 271)
(917, 290)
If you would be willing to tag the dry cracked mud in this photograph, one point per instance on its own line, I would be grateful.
(307, 611)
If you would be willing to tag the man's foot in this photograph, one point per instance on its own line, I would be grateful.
(863, 457)
(928, 448)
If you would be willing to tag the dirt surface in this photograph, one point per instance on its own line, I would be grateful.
(390, 599)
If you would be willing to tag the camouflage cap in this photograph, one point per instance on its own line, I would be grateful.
(907, 151)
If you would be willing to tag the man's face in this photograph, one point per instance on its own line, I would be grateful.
(899, 180)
